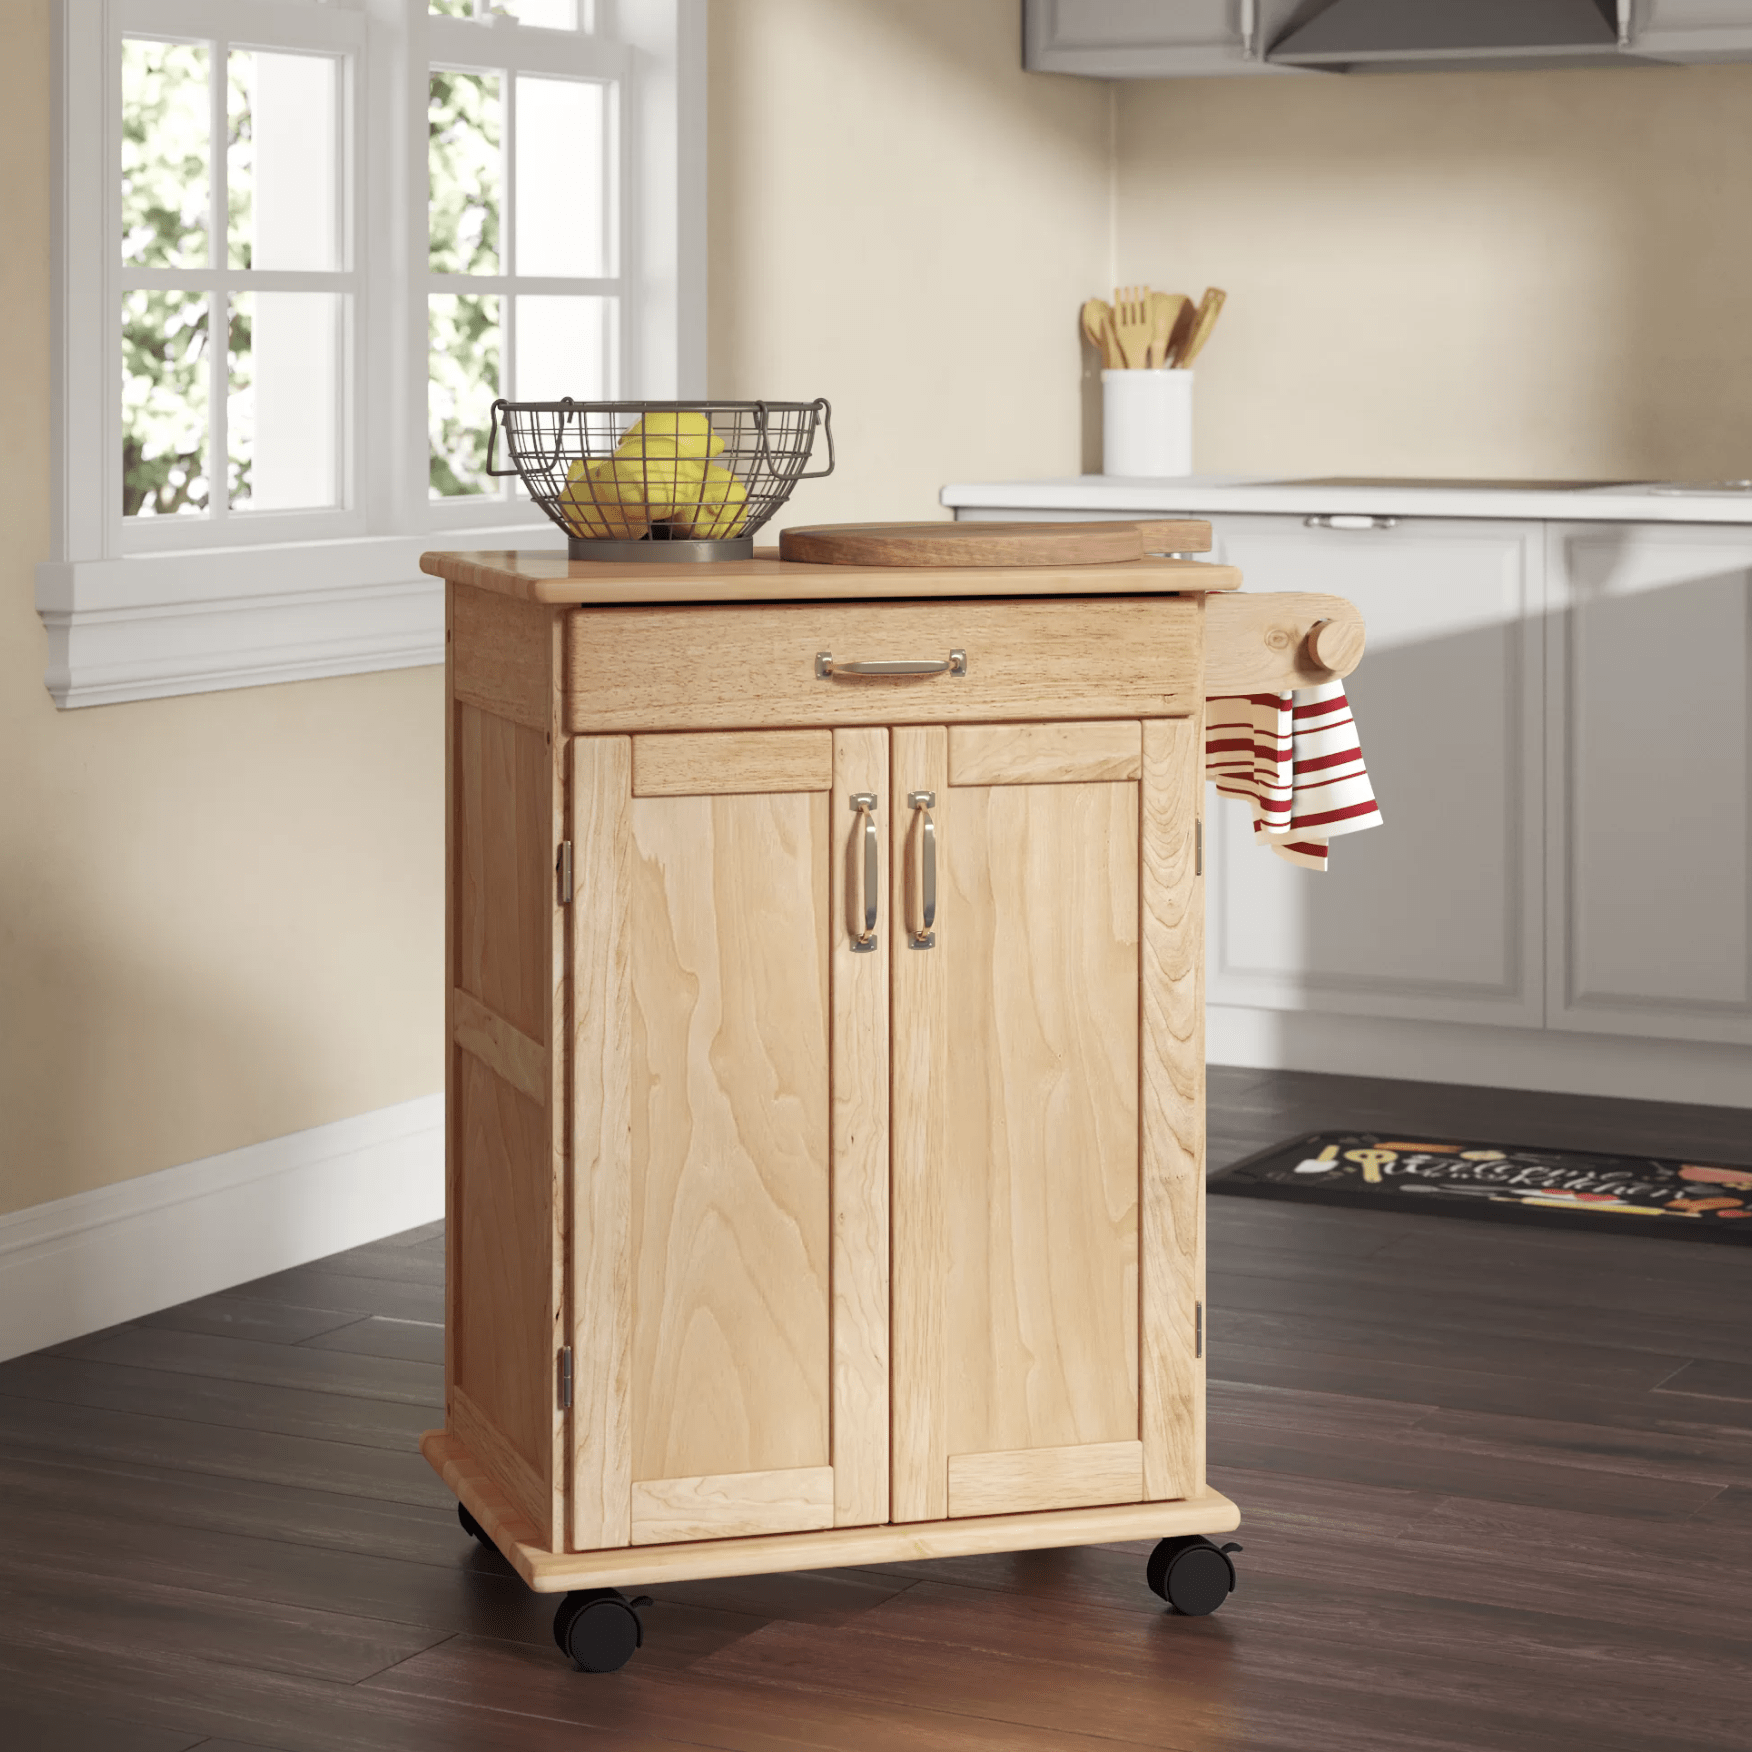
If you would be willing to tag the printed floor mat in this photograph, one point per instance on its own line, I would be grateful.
(1568, 1189)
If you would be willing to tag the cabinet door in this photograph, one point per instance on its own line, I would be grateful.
(1438, 914)
(1144, 39)
(729, 1137)
(1650, 733)
(1048, 1119)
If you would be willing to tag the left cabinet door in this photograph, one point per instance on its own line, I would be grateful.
(729, 1127)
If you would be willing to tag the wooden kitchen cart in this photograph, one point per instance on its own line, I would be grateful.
(826, 1070)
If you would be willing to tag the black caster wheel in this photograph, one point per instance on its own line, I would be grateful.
(1194, 1576)
(472, 1527)
(598, 1628)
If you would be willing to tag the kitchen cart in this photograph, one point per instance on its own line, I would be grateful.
(826, 1070)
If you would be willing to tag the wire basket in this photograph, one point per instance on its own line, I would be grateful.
(660, 480)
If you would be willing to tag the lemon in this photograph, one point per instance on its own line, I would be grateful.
(720, 507)
(655, 484)
(672, 434)
(593, 508)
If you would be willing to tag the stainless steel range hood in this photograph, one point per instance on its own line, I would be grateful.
(1412, 36)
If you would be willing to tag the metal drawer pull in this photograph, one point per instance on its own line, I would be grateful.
(954, 664)
(863, 941)
(923, 908)
(1344, 520)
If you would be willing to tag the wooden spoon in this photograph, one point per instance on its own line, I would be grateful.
(1165, 309)
(1181, 331)
(1098, 330)
(1210, 307)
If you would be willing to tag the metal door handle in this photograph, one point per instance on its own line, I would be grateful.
(864, 909)
(954, 664)
(922, 909)
(1344, 520)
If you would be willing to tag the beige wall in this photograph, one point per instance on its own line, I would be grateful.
(220, 917)
(904, 221)
(1476, 274)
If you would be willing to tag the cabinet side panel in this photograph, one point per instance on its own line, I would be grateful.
(730, 1134)
(921, 1256)
(601, 775)
(1172, 1384)
(503, 898)
(1037, 925)
(860, 1147)
(502, 1349)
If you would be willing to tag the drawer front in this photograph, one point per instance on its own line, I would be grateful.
(754, 666)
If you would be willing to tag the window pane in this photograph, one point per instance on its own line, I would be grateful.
(166, 153)
(547, 14)
(282, 161)
(164, 403)
(563, 348)
(561, 177)
(463, 382)
(465, 135)
(283, 414)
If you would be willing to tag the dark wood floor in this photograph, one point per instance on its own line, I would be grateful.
(1496, 1490)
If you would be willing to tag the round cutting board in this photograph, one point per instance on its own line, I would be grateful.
(990, 544)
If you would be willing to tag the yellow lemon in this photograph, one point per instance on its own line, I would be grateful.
(593, 509)
(673, 434)
(654, 483)
(721, 506)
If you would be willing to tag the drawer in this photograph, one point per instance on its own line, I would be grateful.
(755, 665)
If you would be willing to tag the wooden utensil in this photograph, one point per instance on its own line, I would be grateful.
(1098, 331)
(1131, 324)
(1165, 309)
(1181, 332)
(1210, 307)
(992, 544)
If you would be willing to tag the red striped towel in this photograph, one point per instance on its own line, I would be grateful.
(1296, 759)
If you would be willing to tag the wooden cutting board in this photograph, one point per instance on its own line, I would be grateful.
(991, 544)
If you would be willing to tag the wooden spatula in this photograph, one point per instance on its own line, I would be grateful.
(1131, 324)
(1165, 309)
(1210, 307)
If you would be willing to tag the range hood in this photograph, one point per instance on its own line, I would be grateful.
(1413, 36)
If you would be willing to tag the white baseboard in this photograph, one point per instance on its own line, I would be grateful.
(1500, 1058)
(82, 1263)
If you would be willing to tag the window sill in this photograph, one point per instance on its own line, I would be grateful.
(197, 621)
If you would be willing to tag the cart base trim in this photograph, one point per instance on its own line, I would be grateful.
(552, 1572)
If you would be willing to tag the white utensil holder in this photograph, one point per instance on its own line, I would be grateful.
(1146, 422)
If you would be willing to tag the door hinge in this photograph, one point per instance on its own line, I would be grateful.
(1198, 847)
(563, 870)
(565, 1381)
(1197, 1330)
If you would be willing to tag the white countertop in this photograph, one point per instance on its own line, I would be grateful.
(1110, 495)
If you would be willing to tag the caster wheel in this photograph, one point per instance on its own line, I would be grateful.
(1194, 1576)
(472, 1527)
(599, 1628)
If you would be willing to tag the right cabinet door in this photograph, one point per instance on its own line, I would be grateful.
(1047, 1116)
(1650, 739)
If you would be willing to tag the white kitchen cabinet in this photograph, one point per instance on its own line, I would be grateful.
(1649, 726)
(1145, 39)
(1692, 29)
(1438, 916)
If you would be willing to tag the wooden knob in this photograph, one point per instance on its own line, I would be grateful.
(1336, 646)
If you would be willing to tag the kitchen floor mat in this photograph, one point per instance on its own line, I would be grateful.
(1567, 1189)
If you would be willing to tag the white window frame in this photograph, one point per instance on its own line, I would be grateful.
(176, 605)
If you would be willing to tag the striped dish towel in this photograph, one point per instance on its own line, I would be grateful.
(1296, 759)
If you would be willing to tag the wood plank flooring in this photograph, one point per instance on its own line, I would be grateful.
(1496, 1488)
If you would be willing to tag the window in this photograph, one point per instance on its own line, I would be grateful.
(304, 245)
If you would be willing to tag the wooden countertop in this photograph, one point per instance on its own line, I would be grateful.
(549, 577)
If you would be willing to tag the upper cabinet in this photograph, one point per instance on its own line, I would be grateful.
(1692, 30)
(1148, 39)
(1143, 39)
